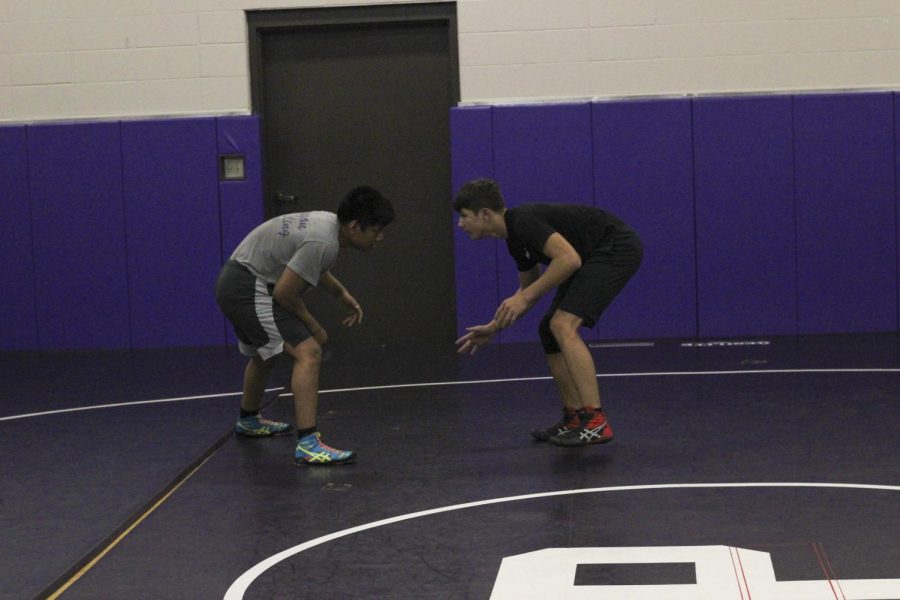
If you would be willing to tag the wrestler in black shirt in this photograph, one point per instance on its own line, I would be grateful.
(590, 254)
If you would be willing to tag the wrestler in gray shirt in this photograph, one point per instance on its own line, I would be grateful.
(260, 292)
(307, 243)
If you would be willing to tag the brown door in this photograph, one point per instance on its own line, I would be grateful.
(361, 95)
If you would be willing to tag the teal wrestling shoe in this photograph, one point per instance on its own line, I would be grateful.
(311, 451)
(256, 426)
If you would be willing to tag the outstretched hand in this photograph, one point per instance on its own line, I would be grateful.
(354, 314)
(478, 336)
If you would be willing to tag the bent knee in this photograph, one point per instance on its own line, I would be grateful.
(564, 325)
(308, 351)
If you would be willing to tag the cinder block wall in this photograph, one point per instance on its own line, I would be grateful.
(114, 58)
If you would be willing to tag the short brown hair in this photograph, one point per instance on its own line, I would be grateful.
(478, 194)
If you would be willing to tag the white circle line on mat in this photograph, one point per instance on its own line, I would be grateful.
(239, 587)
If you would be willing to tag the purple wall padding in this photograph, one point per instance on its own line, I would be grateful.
(541, 154)
(78, 228)
(475, 262)
(172, 223)
(240, 201)
(846, 212)
(17, 305)
(643, 174)
(744, 191)
(897, 190)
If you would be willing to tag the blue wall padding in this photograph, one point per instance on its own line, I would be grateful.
(113, 231)
(17, 303)
(172, 231)
(78, 227)
(744, 193)
(471, 154)
(240, 201)
(897, 188)
(541, 154)
(761, 215)
(739, 163)
(643, 173)
(846, 212)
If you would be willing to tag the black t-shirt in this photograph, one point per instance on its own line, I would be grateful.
(528, 226)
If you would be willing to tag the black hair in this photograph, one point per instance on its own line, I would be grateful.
(367, 206)
(478, 194)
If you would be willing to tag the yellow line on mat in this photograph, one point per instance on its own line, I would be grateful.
(121, 536)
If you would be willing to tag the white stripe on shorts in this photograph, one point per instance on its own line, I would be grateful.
(263, 303)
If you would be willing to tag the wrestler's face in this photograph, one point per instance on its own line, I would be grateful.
(366, 239)
(474, 224)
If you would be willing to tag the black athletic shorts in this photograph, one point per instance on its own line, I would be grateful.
(261, 324)
(601, 277)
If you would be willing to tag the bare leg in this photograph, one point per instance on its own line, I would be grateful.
(256, 375)
(563, 379)
(577, 358)
(305, 380)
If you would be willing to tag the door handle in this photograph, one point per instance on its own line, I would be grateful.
(282, 198)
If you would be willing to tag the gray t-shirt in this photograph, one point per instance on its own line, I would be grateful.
(307, 243)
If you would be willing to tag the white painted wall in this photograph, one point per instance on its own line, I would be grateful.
(62, 59)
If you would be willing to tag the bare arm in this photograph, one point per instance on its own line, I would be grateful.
(334, 287)
(533, 284)
(564, 261)
(288, 293)
(526, 278)
(330, 284)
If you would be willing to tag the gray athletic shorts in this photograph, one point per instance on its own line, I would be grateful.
(261, 324)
